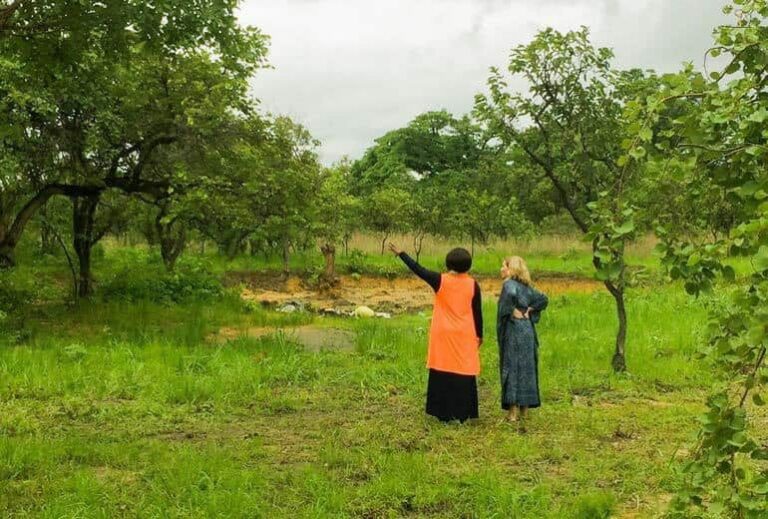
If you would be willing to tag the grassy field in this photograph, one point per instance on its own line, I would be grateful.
(128, 409)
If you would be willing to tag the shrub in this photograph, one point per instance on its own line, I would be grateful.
(191, 281)
(13, 302)
(357, 262)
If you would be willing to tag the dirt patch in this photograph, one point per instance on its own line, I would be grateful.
(313, 338)
(115, 475)
(640, 507)
(317, 339)
(402, 294)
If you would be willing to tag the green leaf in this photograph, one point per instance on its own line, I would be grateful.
(739, 439)
(759, 116)
(761, 258)
(638, 152)
(625, 228)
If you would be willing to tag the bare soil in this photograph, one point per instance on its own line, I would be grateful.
(398, 295)
(313, 338)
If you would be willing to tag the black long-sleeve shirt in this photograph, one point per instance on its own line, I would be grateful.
(433, 279)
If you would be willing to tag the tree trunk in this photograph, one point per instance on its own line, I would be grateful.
(7, 257)
(173, 239)
(5, 224)
(418, 243)
(346, 239)
(619, 361)
(83, 217)
(329, 253)
(286, 258)
(12, 234)
(384, 242)
(233, 245)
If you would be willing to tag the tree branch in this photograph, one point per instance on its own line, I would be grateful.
(145, 153)
(561, 189)
(6, 13)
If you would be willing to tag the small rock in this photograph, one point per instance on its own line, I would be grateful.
(363, 311)
(384, 315)
(288, 309)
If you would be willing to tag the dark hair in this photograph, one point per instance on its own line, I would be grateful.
(459, 260)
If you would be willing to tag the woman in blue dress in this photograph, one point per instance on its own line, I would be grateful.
(520, 307)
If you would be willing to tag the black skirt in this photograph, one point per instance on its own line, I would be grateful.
(451, 396)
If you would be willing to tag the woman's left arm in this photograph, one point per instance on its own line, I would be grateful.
(538, 303)
(477, 312)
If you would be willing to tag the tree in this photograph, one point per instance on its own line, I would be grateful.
(432, 143)
(87, 104)
(336, 214)
(291, 179)
(714, 129)
(569, 127)
(171, 229)
(386, 212)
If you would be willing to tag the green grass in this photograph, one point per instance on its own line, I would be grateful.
(126, 410)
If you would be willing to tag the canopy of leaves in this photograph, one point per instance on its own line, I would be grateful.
(714, 129)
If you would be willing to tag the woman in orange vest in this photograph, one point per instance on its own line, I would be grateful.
(455, 336)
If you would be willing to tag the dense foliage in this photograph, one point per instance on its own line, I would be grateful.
(713, 130)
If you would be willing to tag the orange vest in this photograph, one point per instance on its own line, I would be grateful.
(453, 343)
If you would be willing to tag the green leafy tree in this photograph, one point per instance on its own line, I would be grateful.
(452, 173)
(569, 129)
(87, 104)
(337, 214)
(386, 212)
(291, 180)
(431, 144)
(713, 128)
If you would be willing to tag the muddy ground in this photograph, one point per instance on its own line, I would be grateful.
(397, 295)
(313, 338)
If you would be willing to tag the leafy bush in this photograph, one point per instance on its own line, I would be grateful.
(13, 301)
(191, 281)
(357, 262)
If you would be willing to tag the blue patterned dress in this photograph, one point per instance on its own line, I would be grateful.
(519, 344)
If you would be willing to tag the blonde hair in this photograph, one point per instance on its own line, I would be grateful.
(518, 270)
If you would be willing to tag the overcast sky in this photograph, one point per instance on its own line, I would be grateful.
(351, 70)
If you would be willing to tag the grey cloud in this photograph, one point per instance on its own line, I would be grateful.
(351, 71)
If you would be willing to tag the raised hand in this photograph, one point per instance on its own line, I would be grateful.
(395, 249)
